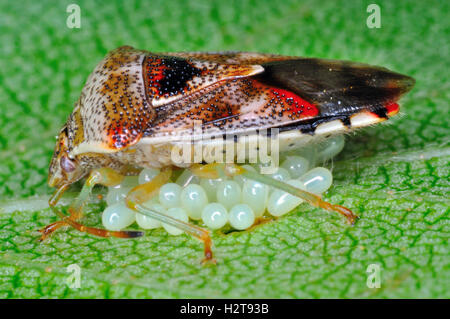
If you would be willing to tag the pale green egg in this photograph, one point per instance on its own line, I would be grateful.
(241, 216)
(281, 174)
(118, 192)
(281, 202)
(255, 195)
(147, 174)
(210, 187)
(317, 181)
(169, 195)
(117, 217)
(228, 193)
(239, 178)
(177, 213)
(215, 215)
(116, 195)
(330, 148)
(309, 152)
(295, 165)
(193, 200)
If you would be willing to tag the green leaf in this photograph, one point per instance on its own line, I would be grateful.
(396, 177)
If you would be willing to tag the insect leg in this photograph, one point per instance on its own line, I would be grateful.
(103, 176)
(214, 170)
(144, 192)
(47, 230)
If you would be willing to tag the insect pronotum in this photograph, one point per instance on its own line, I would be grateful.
(135, 103)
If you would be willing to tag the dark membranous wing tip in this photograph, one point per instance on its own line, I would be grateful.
(346, 93)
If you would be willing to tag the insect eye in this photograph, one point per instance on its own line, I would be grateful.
(67, 165)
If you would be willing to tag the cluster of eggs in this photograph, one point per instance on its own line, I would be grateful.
(237, 201)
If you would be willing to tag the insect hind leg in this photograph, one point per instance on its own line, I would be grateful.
(214, 170)
(103, 176)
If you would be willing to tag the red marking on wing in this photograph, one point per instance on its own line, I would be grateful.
(157, 73)
(294, 103)
(392, 109)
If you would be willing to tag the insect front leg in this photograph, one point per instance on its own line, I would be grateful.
(215, 170)
(102, 176)
(144, 192)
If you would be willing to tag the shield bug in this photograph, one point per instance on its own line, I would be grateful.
(135, 104)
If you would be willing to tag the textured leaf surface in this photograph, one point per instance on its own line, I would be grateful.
(395, 176)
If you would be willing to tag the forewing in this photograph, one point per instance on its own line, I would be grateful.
(312, 95)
